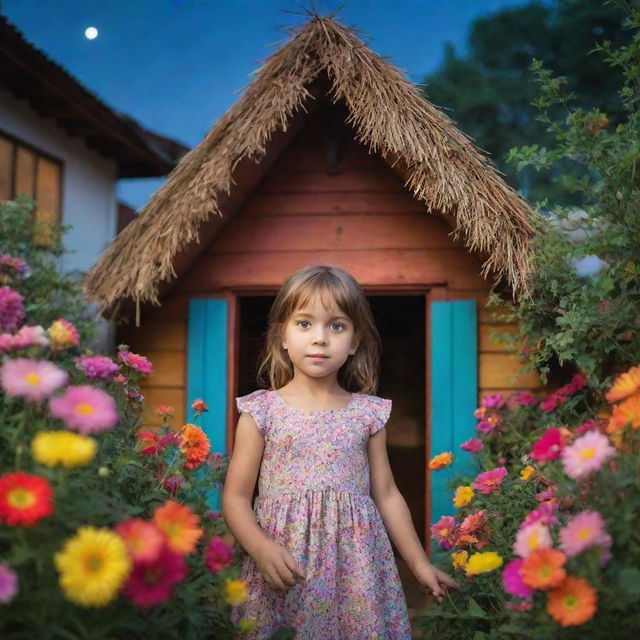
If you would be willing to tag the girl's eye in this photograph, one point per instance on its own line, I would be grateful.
(301, 321)
(338, 324)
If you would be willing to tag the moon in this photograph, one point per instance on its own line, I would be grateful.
(91, 33)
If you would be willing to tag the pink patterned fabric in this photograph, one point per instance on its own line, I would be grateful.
(314, 499)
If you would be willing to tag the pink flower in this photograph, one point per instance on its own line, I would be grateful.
(473, 445)
(490, 481)
(31, 379)
(85, 408)
(199, 406)
(496, 401)
(588, 453)
(522, 399)
(551, 403)
(26, 336)
(8, 584)
(528, 539)
(578, 382)
(586, 426)
(135, 361)
(444, 531)
(549, 446)
(11, 309)
(485, 427)
(545, 514)
(584, 530)
(97, 367)
(218, 554)
(119, 379)
(512, 579)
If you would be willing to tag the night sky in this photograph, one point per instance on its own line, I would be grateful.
(177, 65)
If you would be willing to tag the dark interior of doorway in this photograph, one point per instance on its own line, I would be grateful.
(401, 324)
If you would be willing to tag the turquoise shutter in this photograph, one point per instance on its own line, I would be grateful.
(454, 393)
(207, 373)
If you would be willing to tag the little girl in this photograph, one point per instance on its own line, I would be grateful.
(316, 550)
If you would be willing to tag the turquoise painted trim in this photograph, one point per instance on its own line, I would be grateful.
(207, 373)
(454, 393)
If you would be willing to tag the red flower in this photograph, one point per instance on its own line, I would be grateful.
(219, 554)
(199, 406)
(24, 498)
(549, 446)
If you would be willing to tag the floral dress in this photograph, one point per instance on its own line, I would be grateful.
(314, 499)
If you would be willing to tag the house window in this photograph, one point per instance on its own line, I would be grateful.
(24, 170)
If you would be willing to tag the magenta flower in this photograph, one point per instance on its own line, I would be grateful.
(586, 426)
(444, 532)
(545, 514)
(85, 409)
(485, 427)
(587, 453)
(551, 403)
(522, 399)
(584, 530)
(135, 361)
(495, 401)
(549, 446)
(8, 584)
(97, 367)
(33, 380)
(218, 554)
(528, 539)
(473, 445)
(11, 309)
(490, 481)
(512, 579)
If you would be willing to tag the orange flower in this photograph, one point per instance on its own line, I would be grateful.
(572, 602)
(624, 414)
(164, 410)
(624, 385)
(180, 526)
(199, 406)
(194, 445)
(441, 461)
(543, 568)
(143, 539)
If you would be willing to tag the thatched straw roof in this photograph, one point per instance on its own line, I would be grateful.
(441, 166)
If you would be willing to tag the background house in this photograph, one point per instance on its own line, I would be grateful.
(63, 146)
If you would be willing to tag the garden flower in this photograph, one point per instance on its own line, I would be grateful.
(545, 514)
(527, 472)
(11, 309)
(544, 568)
(490, 481)
(135, 361)
(588, 453)
(25, 336)
(625, 414)
(53, 448)
(8, 584)
(523, 399)
(532, 537)
(463, 496)
(143, 539)
(549, 446)
(85, 408)
(459, 559)
(584, 530)
(179, 525)
(551, 403)
(474, 522)
(625, 385)
(578, 382)
(444, 531)
(93, 565)
(473, 445)
(487, 425)
(63, 334)
(194, 445)
(33, 380)
(512, 579)
(586, 426)
(164, 410)
(572, 602)
(440, 461)
(12, 265)
(152, 582)
(199, 406)
(483, 562)
(218, 554)
(153, 443)
(495, 401)
(235, 592)
(97, 367)
(24, 498)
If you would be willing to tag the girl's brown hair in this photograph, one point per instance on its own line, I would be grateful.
(360, 372)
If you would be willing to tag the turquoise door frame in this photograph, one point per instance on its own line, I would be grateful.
(454, 393)
(207, 373)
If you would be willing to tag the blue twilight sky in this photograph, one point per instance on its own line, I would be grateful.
(177, 65)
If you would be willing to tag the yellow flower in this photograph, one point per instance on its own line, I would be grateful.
(463, 496)
(52, 448)
(440, 461)
(527, 472)
(93, 565)
(247, 624)
(483, 562)
(235, 592)
(459, 559)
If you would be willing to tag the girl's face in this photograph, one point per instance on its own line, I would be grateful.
(318, 341)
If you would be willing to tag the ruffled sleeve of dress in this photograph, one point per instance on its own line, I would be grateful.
(256, 404)
(377, 411)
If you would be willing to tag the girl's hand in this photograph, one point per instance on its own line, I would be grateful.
(278, 566)
(433, 579)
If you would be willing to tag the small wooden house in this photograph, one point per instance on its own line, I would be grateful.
(330, 156)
